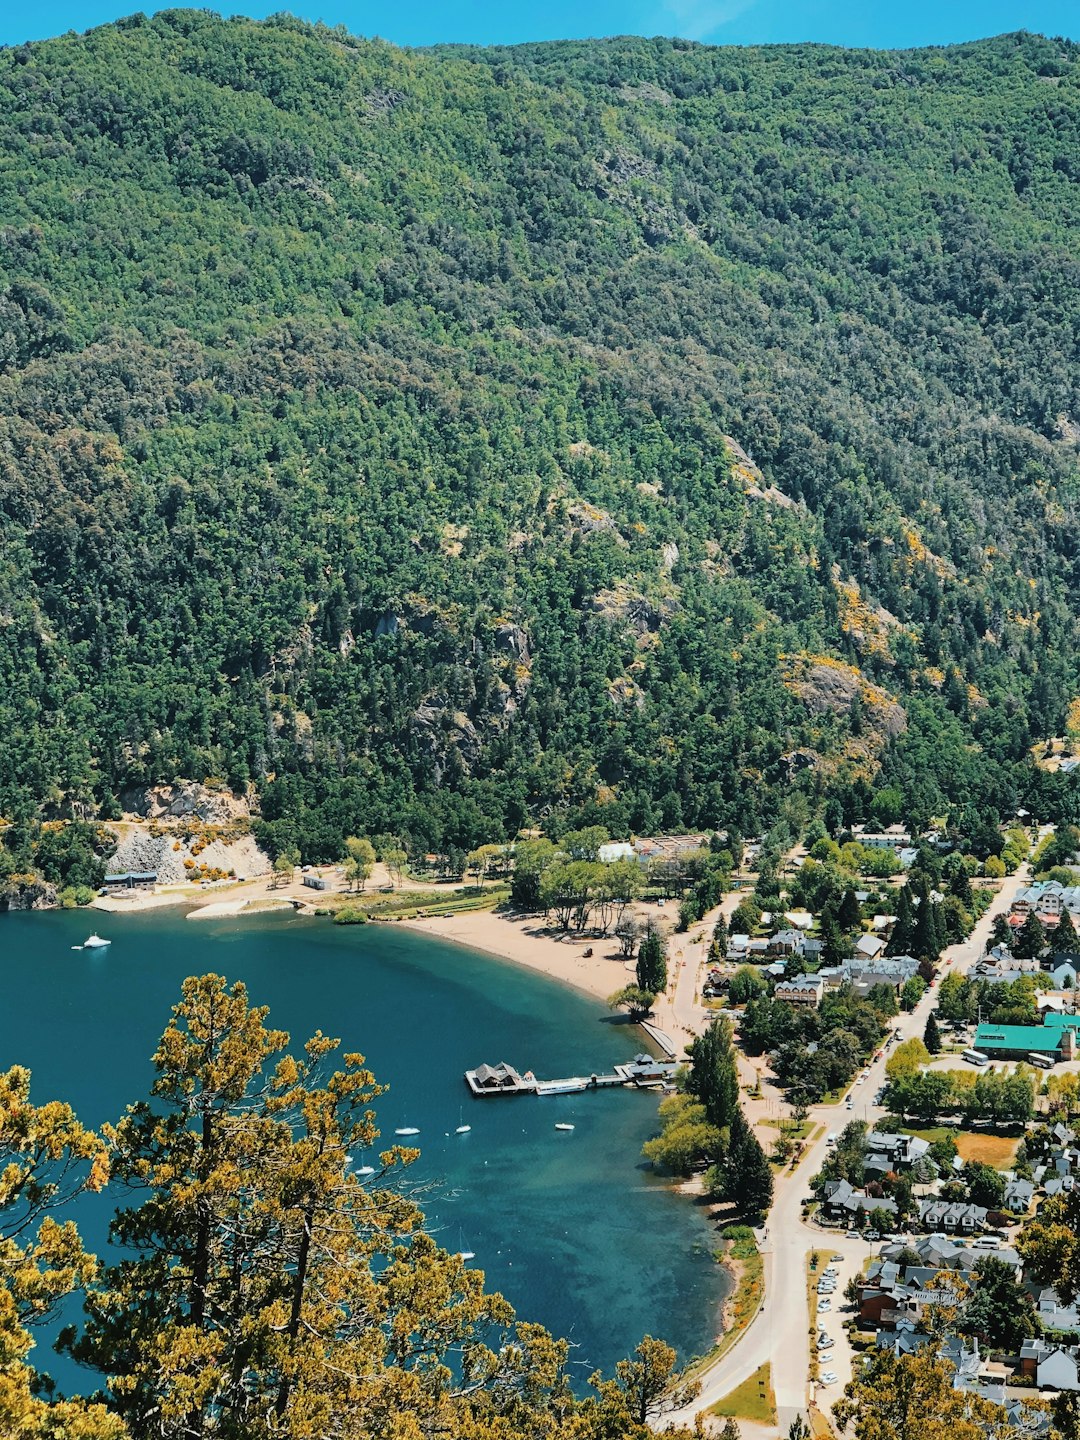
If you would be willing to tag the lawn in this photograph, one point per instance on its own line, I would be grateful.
(752, 1400)
(797, 1132)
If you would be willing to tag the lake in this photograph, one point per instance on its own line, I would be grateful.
(568, 1225)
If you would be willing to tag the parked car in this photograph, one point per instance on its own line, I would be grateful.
(873, 1235)
(853, 1235)
(824, 1306)
(829, 1378)
(825, 1342)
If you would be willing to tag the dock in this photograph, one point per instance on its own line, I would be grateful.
(643, 1072)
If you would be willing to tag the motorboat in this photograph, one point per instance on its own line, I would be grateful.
(562, 1125)
(572, 1086)
(463, 1130)
(407, 1130)
(95, 942)
(365, 1170)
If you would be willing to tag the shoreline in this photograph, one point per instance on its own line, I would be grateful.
(512, 940)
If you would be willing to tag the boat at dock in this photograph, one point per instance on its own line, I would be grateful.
(502, 1079)
(573, 1086)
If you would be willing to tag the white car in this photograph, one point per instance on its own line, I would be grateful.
(823, 1306)
(825, 1344)
(830, 1377)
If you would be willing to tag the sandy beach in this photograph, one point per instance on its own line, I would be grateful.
(524, 941)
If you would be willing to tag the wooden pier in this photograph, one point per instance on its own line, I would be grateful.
(643, 1072)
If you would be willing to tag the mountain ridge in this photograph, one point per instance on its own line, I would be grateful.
(322, 363)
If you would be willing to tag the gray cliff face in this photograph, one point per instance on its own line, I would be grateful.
(28, 893)
(184, 799)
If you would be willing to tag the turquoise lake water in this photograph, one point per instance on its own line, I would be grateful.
(568, 1225)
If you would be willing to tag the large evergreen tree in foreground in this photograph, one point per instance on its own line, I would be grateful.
(265, 1292)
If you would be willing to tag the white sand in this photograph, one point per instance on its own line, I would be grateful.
(525, 941)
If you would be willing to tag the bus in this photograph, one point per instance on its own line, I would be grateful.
(1044, 1062)
(976, 1057)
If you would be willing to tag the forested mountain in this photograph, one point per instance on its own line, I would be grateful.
(364, 411)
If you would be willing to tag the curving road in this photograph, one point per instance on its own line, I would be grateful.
(779, 1333)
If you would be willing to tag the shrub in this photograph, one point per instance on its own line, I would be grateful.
(350, 915)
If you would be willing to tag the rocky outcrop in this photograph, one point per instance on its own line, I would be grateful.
(623, 604)
(823, 683)
(185, 799)
(177, 857)
(27, 892)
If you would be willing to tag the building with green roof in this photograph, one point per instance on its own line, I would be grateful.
(1056, 1037)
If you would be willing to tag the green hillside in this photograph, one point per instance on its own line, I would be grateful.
(363, 425)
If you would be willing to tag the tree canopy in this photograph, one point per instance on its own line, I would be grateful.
(610, 431)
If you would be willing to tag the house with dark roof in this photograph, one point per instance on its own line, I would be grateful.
(952, 1216)
(1018, 1196)
(841, 1201)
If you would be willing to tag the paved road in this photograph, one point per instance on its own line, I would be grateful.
(779, 1332)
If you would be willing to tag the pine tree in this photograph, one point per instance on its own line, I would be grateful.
(48, 1159)
(925, 940)
(931, 1035)
(849, 915)
(1065, 939)
(713, 1078)
(1030, 939)
(903, 934)
(262, 1278)
(834, 945)
(652, 961)
(747, 1175)
(720, 937)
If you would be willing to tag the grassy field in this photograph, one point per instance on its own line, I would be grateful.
(405, 904)
(752, 1400)
(997, 1150)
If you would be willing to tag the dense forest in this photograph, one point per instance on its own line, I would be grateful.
(626, 432)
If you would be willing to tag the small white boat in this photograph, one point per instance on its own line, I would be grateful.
(407, 1130)
(466, 1255)
(365, 1170)
(572, 1086)
(563, 1126)
(463, 1130)
(95, 942)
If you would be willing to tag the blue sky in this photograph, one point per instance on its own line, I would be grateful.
(740, 22)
